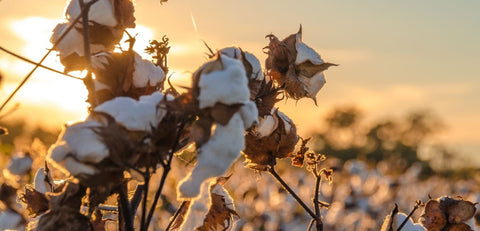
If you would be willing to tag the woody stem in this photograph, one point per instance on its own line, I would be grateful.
(290, 190)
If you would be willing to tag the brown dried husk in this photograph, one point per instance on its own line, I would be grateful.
(261, 153)
(458, 227)
(433, 218)
(36, 202)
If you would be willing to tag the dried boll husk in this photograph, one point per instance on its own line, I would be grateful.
(433, 218)
(266, 98)
(124, 74)
(296, 66)
(457, 209)
(37, 203)
(267, 142)
(64, 213)
(458, 227)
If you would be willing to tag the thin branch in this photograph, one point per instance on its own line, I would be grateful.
(417, 205)
(69, 28)
(40, 65)
(166, 170)
(319, 223)
(124, 211)
(175, 215)
(290, 190)
(143, 225)
(87, 53)
(136, 199)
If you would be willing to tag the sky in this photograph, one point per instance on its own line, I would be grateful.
(394, 56)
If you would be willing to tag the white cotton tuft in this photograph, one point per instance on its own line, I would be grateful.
(39, 182)
(249, 114)
(227, 86)
(398, 220)
(198, 209)
(146, 73)
(101, 12)
(20, 164)
(287, 122)
(78, 143)
(257, 73)
(135, 115)
(267, 125)
(313, 84)
(215, 156)
(306, 53)
(236, 53)
(72, 43)
(10, 220)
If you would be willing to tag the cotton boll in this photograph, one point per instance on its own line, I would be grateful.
(146, 73)
(72, 43)
(215, 156)
(287, 122)
(306, 53)
(101, 12)
(135, 115)
(267, 125)
(257, 73)
(232, 52)
(227, 86)
(20, 164)
(78, 143)
(198, 209)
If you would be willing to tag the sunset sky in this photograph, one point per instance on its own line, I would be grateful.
(394, 57)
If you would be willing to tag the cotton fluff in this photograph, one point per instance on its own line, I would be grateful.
(267, 125)
(146, 73)
(101, 12)
(20, 164)
(236, 53)
(135, 115)
(198, 209)
(398, 220)
(39, 182)
(72, 43)
(78, 145)
(249, 114)
(215, 156)
(305, 53)
(227, 86)
(10, 221)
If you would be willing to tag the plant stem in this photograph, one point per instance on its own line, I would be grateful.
(408, 217)
(175, 215)
(124, 211)
(69, 28)
(290, 190)
(87, 53)
(318, 221)
(144, 226)
(166, 170)
(136, 199)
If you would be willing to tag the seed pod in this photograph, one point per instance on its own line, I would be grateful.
(293, 64)
(275, 137)
(433, 218)
(457, 209)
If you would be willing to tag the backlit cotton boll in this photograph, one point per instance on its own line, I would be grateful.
(146, 74)
(296, 66)
(135, 115)
(101, 12)
(274, 137)
(222, 80)
(77, 148)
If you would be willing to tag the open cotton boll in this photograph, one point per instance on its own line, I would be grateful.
(228, 85)
(249, 114)
(198, 208)
(313, 84)
(135, 115)
(286, 121)
(257, 73)
(215, 156)
(78, 143)
(146, 73)
(306, 53)
(232, 52)
(267, 125)
(101, 12)
(221, 191)
(72, 43)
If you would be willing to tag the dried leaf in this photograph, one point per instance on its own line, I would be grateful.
(458, 227)
(433, 218)
(222, 113)
(124, 12)
(36, 202)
